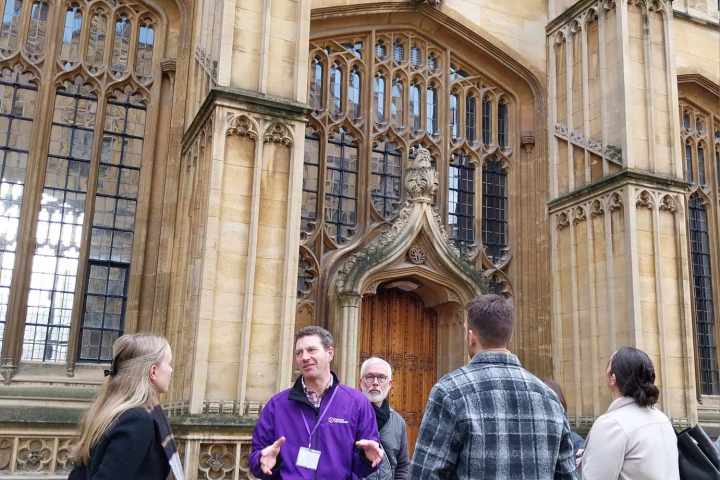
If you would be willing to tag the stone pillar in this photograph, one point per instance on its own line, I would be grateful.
(619, 252)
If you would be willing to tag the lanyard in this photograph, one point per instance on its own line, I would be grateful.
(320, 418)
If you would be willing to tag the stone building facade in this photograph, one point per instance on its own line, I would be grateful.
(223, 172)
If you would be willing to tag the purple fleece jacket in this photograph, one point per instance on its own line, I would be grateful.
(349, 418)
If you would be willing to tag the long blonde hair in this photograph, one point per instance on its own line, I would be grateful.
(128, 386)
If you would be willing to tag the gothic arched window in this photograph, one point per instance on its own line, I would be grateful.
(461, 199)
(386, 172)
(701, 163)
(341, 186)
(487, 120)
(79, 212)
(414, 91)
(704, 309)
(494, 203)
(336, 80)
(470, 118)
(502, 124)
(689, 164)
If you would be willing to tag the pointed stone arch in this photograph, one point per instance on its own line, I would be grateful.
(384, 258)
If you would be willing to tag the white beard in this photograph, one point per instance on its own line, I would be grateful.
(376, 397)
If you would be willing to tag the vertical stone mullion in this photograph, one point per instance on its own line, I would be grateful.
(602, 62)
(265, 46)
(633, 277)
(569, 52)
(575, 321)
(662, 364)
(249, 286)
(584, 68)
(553, 160)
(593, 311)
(557, 346)
(672, 91)
(609, 254)
(649, 86)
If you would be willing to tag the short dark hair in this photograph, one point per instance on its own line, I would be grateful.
(491, 318)
(635, 375)
(325, 337)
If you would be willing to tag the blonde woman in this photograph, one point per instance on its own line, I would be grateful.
(125, 433)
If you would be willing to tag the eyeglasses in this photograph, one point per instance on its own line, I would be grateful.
(370, 379)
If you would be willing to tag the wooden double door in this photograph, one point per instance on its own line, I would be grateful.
(396, 326)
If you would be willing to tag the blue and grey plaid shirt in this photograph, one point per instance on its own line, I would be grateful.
(492, 419)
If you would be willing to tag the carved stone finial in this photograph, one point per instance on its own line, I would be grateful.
(421, 181)
(432, 3)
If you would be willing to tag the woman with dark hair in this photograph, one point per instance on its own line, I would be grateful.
(578, 441)
(633, 440)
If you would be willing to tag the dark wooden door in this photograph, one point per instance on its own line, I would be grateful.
(397, 327)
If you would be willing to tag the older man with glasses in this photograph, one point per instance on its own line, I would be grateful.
(376, 382)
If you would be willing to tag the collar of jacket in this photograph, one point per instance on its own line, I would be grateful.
(297, 393)
(620, 403)
(507, 358)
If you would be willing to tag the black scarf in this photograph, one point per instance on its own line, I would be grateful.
(382, 413)
(162, 424)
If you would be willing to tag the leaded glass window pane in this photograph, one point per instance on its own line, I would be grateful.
(380, 50)
(398, 52)
(341, 187)
(415, 57)
(461, 200)
(59, 224)
(354, 94)
(144, 53)
(486, 121)
(70, 48)
(316, 85)
(689, 168)
(454, 117)
(494, 205)
(121, 46)
(470, 118)
(10, 27)
(415, 117)
(432, 111)
(701, 164)
(18, 95)
(704, 310)
(396, 105)
(386, 179)
(502, 124)
(311, 177)
(37, 32)
(336, 80)
(379, 98)
(95, 54)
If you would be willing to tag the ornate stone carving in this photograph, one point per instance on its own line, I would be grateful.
(669, 203)
(614, 202)
(596, 208)
(579, 215)
(63, 461)
(6, 450)
(279, 133)
(613, 153)
(421, 180)
(308, 273)
(416, 255)
(645, 200)
(562, 220)
(241, 125)
(35, 454)
(432, 3)
(217, 461)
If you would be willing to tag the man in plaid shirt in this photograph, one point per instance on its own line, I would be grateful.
(492, 419)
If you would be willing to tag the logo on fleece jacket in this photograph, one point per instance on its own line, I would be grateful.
(337, 420)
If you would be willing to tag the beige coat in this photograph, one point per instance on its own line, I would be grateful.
(631, 442)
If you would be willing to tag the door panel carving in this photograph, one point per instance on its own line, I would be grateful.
(397, 327)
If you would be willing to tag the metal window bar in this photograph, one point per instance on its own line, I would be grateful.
(704, 305)
(461, 200)
(494, 220)
(387, 175)
(341, 177)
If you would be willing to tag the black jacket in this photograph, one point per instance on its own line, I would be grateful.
(130, 449)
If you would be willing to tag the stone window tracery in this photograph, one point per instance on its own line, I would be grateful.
(82, 207)
(413, 92)
(495, 205)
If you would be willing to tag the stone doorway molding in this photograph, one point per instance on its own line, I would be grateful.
(395, 254)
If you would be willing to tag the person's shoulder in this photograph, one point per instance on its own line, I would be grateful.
(135, 415)
(353, 393)
(398, 418)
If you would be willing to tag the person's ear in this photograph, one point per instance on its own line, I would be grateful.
(153, 372)
(331, 353)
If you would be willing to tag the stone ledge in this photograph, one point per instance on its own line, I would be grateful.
(624, 177)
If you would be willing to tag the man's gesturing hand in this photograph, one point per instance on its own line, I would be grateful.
(372, 450)
(268, 456)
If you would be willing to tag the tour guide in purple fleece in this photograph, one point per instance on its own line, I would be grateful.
(319, 428)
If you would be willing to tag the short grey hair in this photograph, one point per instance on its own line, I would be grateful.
(325, 337)
(366, 364)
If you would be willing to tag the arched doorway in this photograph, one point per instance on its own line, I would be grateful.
(397, 326)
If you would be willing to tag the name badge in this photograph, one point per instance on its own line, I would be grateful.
(308, 458)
